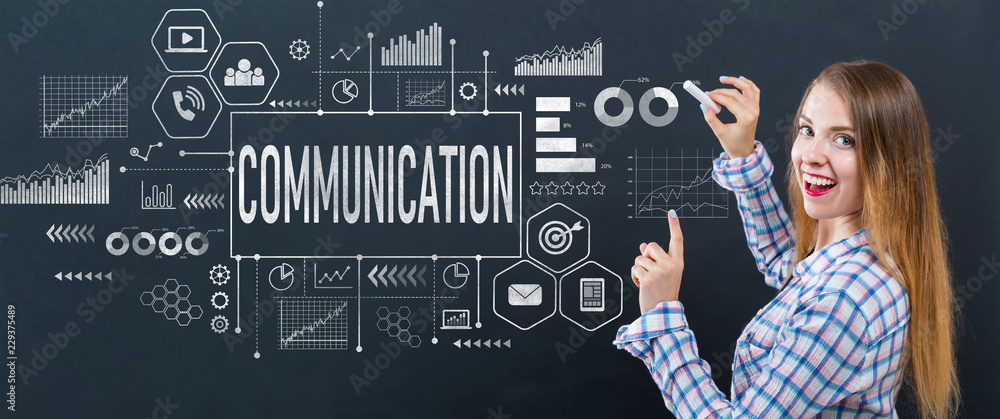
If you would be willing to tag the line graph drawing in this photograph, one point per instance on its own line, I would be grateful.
(312, 324)
(51, 185)
(680, 182)
(587, 61)
(425, 92)
(330, 281)
(84, 106)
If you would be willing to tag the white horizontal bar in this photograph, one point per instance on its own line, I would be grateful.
(551, 104)
(546, 124)
(555, 145)
(565, 165)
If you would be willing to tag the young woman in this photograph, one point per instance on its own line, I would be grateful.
(864, 286)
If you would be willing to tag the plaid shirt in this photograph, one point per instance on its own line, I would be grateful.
(830, 344)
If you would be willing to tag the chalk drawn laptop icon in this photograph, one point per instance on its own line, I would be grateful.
(186, 39)
(524, 295)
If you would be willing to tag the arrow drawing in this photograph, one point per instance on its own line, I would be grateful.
(75, 233)
(398, 275)
(205, 201)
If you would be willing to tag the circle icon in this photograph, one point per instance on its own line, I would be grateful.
(299, 49)
(647, 115)
(467, 91)
(455, 275)
(556, 237)
(603, 97)
(344, 91)
(281, 277)
(220, 324)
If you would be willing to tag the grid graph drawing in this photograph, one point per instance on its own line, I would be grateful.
(679, 181)
(305, 324)
(83, 106)
(421, 92)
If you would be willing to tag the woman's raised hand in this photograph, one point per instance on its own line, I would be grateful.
(657, 272)
(744, 102)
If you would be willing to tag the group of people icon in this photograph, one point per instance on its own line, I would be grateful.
(243, 77)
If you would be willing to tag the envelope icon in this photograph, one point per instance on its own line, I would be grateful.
(524, 295)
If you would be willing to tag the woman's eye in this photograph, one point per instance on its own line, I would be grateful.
(844, 141)
(807, 131)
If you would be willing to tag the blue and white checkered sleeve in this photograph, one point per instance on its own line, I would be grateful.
(769, 230)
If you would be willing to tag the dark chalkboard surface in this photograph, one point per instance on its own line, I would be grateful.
(240, 208)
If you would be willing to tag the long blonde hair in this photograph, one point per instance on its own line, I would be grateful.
(901, 216)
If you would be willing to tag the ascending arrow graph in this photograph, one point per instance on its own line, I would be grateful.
(664, 183)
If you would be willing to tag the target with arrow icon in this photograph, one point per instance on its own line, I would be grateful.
(562, 238)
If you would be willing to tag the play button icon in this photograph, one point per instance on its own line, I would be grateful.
(185, 38)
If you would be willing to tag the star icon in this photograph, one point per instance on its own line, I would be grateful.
(599, 188)
(551, 188)
(536, 188)
(582, 188)
(567, 188)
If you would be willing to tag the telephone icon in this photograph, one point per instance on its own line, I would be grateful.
(192, 95)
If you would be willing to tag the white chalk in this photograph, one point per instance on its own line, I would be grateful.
(700, 95)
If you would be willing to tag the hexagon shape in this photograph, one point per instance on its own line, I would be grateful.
(404, 336)
(383, 324)
(524, 295)
(558, 238)
(146, 298)
(171, 312)
(186, 40)
(383, 312)
(590, 296)
(170, 285)
(183, 305)
(404, 324)
(184, 291)
(183, 318)
(404, 312)
(171, 299)
(195, 312)
(158, 292)
(393, 318)
(244, 73)
(186, 107)
(159, 305)
(393, 330)
(414, 341)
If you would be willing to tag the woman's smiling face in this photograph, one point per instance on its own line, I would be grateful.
(825, 156)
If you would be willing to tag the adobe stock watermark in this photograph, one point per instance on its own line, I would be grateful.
(381, 19)
(59, 341)
(164, 408)
(563, 11)
(943, 139)
(714, 28)
(898, 17)
(973, 284)
(32, 26)
(420, 320)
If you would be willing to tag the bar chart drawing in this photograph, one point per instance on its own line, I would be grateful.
(52, 185)
(587, 61)
(84, 106)
(677, 181)
(425, 92)
(423, 50)
(312, 324)
(455, 319)
(158, 198)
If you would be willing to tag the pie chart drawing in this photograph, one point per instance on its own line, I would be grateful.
(455, 275)
(281, 277)
(345, 91)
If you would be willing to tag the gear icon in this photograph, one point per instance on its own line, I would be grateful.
(219, 274)
(220, 324)
(215, 299)
(470, 96)
(299, 49)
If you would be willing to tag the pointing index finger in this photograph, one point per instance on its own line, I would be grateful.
(676, 236)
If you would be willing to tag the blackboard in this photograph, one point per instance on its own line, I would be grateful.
(479, 266)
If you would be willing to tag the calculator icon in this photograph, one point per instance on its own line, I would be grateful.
(592, 294)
